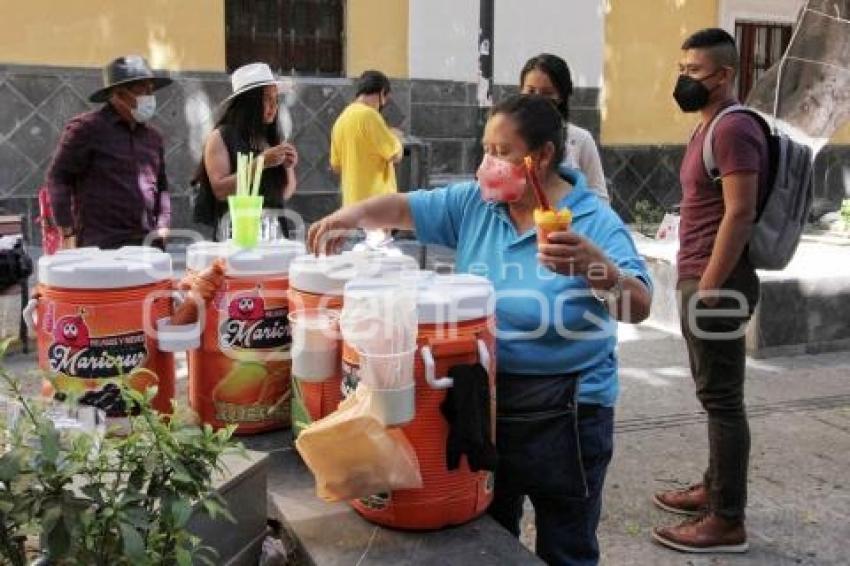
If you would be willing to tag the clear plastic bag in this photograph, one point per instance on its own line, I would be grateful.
(668, 231)
(274, 553)
(351, 453)
(808, 90)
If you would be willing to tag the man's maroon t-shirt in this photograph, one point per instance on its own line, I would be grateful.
(739, 147)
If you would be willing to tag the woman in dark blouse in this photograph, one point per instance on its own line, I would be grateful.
(249, 123)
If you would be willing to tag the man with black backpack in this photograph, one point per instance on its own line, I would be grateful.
(718, 287)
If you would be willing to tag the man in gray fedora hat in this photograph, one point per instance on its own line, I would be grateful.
(107, 181)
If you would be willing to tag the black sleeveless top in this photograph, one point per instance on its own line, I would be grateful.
(272, 182)
(273, 179)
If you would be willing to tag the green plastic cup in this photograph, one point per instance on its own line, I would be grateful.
(246, 214)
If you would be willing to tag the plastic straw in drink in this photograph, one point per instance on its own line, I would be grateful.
(255, 190)
(535, 183)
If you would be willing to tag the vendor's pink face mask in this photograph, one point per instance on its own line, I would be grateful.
(501, 180)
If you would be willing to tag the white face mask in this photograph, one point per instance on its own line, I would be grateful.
(145, 108)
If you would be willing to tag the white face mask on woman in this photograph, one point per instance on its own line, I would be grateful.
(145, 108)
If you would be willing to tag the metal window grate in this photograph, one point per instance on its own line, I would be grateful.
(761, 45)
(292, 36)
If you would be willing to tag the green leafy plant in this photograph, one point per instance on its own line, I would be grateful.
(845, 213)
(106, 499)
(647, 216)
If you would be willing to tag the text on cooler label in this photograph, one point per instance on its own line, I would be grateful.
(248, 325)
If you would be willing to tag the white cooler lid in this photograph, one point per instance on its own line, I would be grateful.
(440, 298)
(93, 268)
(327, 275)
(267, 258)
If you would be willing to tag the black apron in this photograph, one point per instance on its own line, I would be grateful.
(537, 435)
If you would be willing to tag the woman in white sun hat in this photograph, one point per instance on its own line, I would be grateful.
(248, 122)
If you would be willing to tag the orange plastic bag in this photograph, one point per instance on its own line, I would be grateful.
(352, 454)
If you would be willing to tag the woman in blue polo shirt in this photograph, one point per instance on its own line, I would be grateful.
(556, 313)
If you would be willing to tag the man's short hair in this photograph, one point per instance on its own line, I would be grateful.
(372, 82)
(719, 44)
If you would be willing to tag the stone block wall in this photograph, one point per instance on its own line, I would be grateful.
(36, 102)
(636, 173)
(651, 173)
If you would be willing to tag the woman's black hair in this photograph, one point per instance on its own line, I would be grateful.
(244, 115)
(537, 121)
(558, 72)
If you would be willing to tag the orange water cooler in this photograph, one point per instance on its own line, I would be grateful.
(456, 324)
(319, 283)
(240, 373)
(95, 319)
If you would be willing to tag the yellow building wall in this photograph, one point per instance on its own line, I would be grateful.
(172, 34)
(642, 42)
(377, 37)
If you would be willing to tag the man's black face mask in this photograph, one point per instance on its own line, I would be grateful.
(691, 94)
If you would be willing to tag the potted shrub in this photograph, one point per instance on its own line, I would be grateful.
(646, 217)
(845, 214)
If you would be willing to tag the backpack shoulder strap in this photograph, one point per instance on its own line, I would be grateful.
(707, 144)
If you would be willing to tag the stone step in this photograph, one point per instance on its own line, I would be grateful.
(803, 309)
(243, 487)
(333, 534)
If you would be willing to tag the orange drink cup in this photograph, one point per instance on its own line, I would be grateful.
(548, 221)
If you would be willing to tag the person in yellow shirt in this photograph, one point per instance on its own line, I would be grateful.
(363, 148)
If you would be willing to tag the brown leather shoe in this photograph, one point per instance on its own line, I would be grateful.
(692, 500)
(707, 534)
